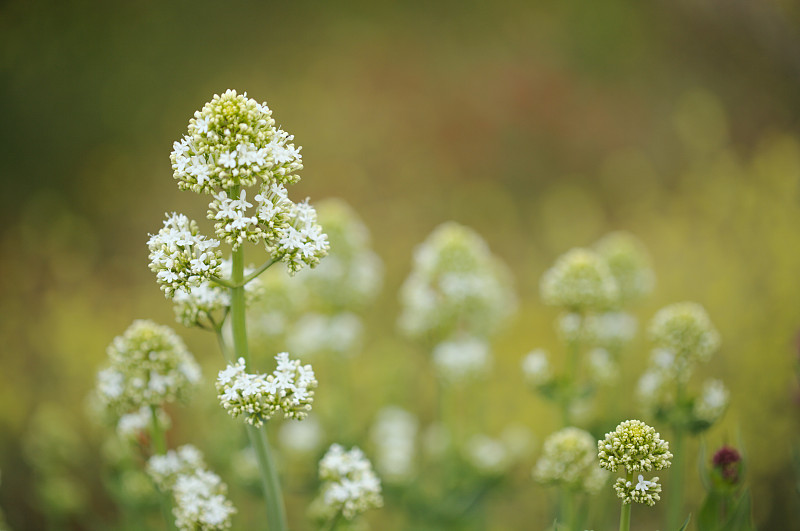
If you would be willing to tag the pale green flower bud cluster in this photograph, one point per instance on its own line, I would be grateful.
(643, 491)
(636, 447)
(149, 365)
(602, 366)
(569, 459)
(394, 438)
(610, 330)
(629, 264)
(257, 397)
(461, 359)
(233, 142)
(181, 257)
(199, 494)
(455, 285)
(685, 329)
(712, 402)
(580, 281)
(352, 274)
(349, 483)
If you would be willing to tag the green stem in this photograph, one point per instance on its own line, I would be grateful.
(625, 512)
(570, 377)
(258, 271)
(333, 522)
(223, 282)
(273, 497)
(159, 447)
(569, 512)
(675, 502)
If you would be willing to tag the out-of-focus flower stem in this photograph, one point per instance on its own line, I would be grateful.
(159, 447)
(625, 512)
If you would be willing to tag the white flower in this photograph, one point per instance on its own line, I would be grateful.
(181, 257)
(200, 502)
(257, 397)
(536, 368)
(644, 485)
(350, 485)
(570, 459)
(394, 434)
(712, 402)
(462, 358)
(301, 438)
(487, 455)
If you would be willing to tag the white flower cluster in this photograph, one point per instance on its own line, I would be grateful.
(712, 402)
(393, 435)
(569, 459)
(629, 264)
(580, 281)
(199, 495)
(462, 358)
(684, 336)
(644, 491)
(233, 142)
(201, 502)
(149, 365)
(182, 258)
(352, 274)
(455, 284)
(210, 298)
(301, 241)
(133, 425)
(301, 438)
(257, 397)
(313, 333)
(638, 448)
(349, 483)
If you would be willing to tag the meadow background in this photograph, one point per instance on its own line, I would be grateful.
(541, 125)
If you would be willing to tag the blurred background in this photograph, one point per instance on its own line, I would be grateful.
(541, 125)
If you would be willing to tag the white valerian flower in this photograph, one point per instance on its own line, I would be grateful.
(461, 358)
(489, 456)
(455, 285)
(257, 397)
(536, 368)
(644, 491)
(232, 222)
(611, 330)
(134, 425)
(635, 446)
(233, 142)
(712, 402)
(654, 389)
(580, 281)
(602, 366)
(314, 333)
(569, 459)
(164, 469)
(351, 275)
(685, 329)
(201, 502)
(349, 484)
(203, 300)
(181, 257)
(394, 437)
(149, 365)
(300, 242)
(629, 263)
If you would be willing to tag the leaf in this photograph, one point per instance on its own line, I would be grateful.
(686, 523)
(741, 518)
(708, 519)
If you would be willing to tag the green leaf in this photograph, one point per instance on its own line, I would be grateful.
(741, 518)
(686, 523)
(708, 519)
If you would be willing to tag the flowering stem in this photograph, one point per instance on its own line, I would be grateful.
(625, 513)
(276, 514)
(159, 444)
(223, 282)
(569, 512)
(258, 271)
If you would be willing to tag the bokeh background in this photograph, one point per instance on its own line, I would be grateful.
(541, 125)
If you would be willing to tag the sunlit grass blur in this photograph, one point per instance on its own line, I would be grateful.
(541, 127)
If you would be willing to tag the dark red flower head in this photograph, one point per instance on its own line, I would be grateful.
(726, 461)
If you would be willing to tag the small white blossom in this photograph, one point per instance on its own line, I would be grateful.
(536, 368)
(644, 491)
(489, 456)
(394, 437)
(182, 258)
(579, 281)
(201, 502)
(461, 359)
(712, 402)
(301, 438)
(257, 397)
(349, 483)
(570, 459)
